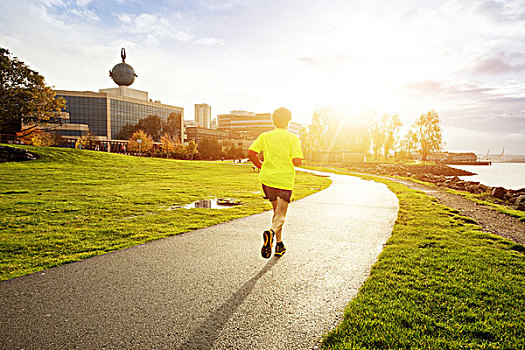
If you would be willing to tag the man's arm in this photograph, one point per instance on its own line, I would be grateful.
(254, 157)
(297, 161)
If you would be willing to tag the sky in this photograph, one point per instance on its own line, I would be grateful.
(465, 59)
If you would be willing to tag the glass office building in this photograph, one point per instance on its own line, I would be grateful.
(106, 112)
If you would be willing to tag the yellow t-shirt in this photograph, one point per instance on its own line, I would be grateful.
(279, 147)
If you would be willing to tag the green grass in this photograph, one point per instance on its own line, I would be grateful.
(74, 204)
(440, 283)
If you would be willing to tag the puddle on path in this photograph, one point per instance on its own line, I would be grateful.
(214, 203)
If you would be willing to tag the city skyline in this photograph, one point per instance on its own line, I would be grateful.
(464, 59)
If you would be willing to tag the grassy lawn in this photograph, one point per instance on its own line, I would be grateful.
(440, 283)
(73, 204)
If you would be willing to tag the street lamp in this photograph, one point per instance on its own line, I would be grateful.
(139, 141)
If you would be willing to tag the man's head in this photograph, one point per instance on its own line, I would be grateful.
(281, 118)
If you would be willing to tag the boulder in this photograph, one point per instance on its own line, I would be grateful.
(520, 202)
(473, 188)
(484, 188)
(498, 192)
(11, 154)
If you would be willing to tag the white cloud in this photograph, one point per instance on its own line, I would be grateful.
(210, 41)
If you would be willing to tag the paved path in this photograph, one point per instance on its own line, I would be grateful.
(210, 289)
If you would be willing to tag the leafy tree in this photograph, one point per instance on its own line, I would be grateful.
(27, 133)
(306, 142)
(391, 126)
(234, 152)
(47, 139)
(172, 125)
(428, 132)
(319, 130)
(151, 125)
(168, 144)
(377, 135)
(209, 149)
(181, 151)
(409, 142)
(24, 97)
(126, 132)
(140, 142)
(192, 148)
(86, 141)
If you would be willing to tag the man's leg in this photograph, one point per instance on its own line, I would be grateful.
(280, 206)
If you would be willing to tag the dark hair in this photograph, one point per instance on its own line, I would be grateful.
(281, 118)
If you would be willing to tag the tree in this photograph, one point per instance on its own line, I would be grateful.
(319, 130)
(234, 152)
(391, 128)
(409, 143)
(192, 149)
(27, 133)
(377, 134)
(24, 96)
(172, 125)
(46, 139)
(151, 125)
(428, 133)
(126, 132)
(209, 149)
(86, 141)
(168, 145)
(140, 142)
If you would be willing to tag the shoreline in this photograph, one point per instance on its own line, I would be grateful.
(443, 176)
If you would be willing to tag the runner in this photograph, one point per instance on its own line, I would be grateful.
(282, 151)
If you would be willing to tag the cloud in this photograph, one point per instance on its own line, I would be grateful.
(73, 9)
(224, 5)
(464, 139)
(469, 105)
(210, 41)
(454, 89)
(503, 11)
(160, 28)
(499, 64)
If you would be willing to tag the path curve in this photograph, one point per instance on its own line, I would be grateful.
(210, 289)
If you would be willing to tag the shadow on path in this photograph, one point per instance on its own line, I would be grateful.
(205, 336)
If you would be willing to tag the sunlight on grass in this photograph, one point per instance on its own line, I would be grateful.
(73, 204)
(440, 283)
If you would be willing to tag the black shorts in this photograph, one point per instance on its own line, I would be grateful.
(272, 193)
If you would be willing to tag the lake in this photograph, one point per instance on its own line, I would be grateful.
(507, 175)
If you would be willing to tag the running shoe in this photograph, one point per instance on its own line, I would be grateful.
(280, 249)
(266, 250)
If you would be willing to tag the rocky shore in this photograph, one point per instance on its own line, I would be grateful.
(445, 176)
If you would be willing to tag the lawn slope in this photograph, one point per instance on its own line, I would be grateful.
(73, 204)
(440, 283)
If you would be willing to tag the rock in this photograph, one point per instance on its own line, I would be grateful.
(520, 202)
(498, 192)
(484, 188)
(472, 188)
(11, 154)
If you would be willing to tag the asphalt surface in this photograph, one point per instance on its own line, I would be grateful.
(210, 288)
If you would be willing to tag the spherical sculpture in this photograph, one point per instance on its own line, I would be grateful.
(123, 74)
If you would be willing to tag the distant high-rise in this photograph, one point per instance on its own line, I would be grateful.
(203, 115)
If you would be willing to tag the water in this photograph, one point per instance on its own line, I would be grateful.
(507, 175)
(215, 203)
